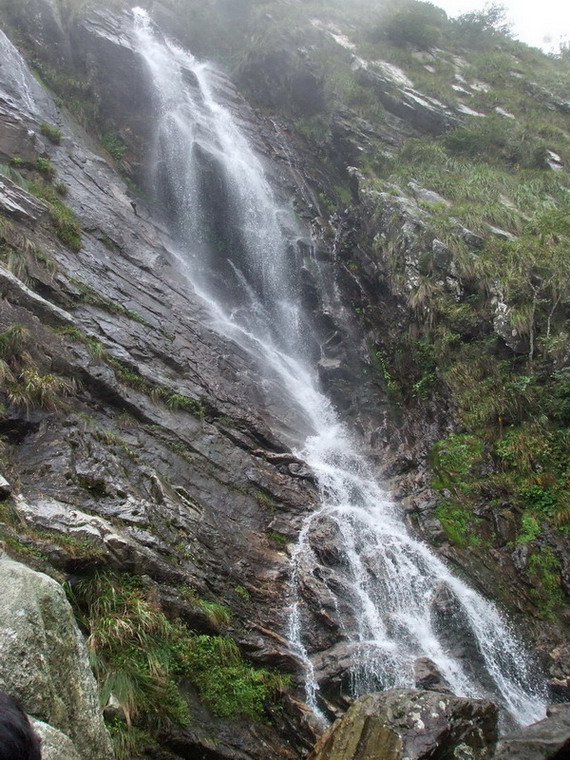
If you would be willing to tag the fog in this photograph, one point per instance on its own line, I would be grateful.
(544, 24)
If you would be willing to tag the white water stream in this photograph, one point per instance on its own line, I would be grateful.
(394, 599)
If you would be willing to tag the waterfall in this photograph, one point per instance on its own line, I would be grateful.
(394, 599)
(17, 79)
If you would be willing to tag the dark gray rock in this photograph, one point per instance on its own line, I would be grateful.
(549, 739)
(428, 677)
(425, 113)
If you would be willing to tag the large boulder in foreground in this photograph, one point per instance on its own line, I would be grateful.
(549, 739)
(43, 660)
(411, 724)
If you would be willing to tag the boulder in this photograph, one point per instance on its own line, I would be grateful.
(55, 745)
(428, 677)
(549, 739)
(411, 724)
(43, 659)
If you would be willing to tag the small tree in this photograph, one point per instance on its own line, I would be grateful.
(483, 27)
(417, 24)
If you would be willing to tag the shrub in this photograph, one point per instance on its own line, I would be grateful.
(418, 24)
(52, 133)
(45, 167)
(113, 144)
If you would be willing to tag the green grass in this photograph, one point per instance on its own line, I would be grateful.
(22, 382)
(139, 656)
(66, 225)
(131, 377)
(459, 523)
(96, 348)
(52, 133)
(89, 295)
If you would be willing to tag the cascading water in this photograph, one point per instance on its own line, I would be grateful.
(394, 599)
(18, 83)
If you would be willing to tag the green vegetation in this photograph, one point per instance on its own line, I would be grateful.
(21, 380)
(544, 572)
(113, 144)
(45, 167)
(65, 223)
(419, 25)
(243, 593)
(278, 539)
(263, 500)
(19, 254)
(52, 133)
(218, 613)
(12, 173)
(89, 295)
(459, 523)
(95, 347)
(140, 656)
(131, 377)
(227, 685)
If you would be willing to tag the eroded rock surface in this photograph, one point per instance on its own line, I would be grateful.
(415, 725)
(549, 739)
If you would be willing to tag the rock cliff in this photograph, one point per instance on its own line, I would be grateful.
(145, 462)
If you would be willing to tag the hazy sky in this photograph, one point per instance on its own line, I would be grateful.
(542, 23)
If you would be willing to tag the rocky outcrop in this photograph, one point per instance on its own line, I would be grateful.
(424, 113)
(43, 660)
(549, 739)
(415, 725)
(428, 677)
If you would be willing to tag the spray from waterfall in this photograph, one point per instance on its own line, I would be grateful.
(395, 600)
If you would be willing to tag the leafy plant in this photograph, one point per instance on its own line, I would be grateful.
(45, 167)
(52, 133)
(113, 144)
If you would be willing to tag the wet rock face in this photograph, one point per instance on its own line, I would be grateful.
(416, 725)
(186, 497)
(103, 47)
(549, 739)
(426, 114)
(428, 677)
